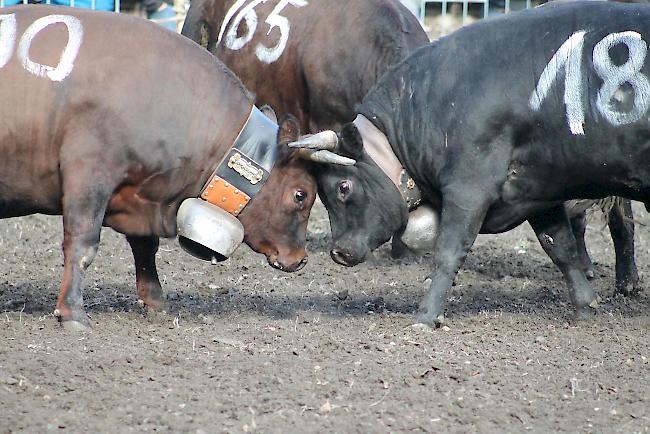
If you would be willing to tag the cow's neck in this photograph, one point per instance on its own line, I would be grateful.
(378, 148)
(246, 167)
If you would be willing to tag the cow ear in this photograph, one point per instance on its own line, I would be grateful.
(351, 142)
(289, 130)
(268, 111)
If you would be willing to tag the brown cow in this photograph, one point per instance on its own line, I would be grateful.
(120, 134)
(312, 58)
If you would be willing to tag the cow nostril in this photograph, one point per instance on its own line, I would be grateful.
(301, 264)
(338, 256)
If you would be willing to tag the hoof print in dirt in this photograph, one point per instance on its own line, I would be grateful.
(376, 305)
(343, 294)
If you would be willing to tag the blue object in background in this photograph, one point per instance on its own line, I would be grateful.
(100, 5)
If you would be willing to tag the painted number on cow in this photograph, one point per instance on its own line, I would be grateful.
(68, 55)
(246, 12)
(568, 59)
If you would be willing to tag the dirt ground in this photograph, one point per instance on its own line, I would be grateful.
(247, 348)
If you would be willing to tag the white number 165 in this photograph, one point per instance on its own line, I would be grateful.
(247, 13)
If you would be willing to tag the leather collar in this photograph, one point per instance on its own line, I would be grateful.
(246, 167)
(377, 147)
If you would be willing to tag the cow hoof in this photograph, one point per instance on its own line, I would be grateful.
(587, 312)
(629, 289)
(154, 304)
(76, 326)
(76, 320)
(428, 320)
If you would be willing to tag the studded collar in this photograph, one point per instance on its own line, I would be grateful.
(377, 147)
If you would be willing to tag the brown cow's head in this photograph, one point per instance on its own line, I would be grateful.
(275, 222)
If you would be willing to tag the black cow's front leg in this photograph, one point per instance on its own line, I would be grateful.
(554, 234)
(460, 221)
(579, 225)
(621, 227)
(148, 286)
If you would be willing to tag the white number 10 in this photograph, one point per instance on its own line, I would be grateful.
(569, 58)
(247, 13)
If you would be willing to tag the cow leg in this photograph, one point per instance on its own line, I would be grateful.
(554, 234)
(621, 227)
(579, 225)
(398, 249)
(460, 221)
(84, 204)
(146, 275)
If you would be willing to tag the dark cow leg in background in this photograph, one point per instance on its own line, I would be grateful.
(621, 227)
(579, 225)
(398, 249)
(460, 221)
(84, 203)
(146, 275)
(554, 234)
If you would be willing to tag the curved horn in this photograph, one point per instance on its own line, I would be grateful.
(325, 156)
(326, 140)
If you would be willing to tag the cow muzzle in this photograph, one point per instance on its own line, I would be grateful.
(206, 231)
(288, 263)
(346, 257)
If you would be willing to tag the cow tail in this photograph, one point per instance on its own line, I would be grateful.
(197, 28)
(604, 205)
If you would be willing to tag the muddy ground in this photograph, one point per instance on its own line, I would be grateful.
(246, 348)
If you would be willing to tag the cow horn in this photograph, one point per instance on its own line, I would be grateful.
(325, 156)
(325, 140)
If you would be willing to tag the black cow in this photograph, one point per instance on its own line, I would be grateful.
(497, 124)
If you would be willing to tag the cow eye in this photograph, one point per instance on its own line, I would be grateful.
(345, 187)
(299, 196)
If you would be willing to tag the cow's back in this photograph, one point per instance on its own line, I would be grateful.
(468, 86)
(335, 51)
(128, 87)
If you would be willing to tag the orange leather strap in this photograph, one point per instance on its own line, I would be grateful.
(226, 196)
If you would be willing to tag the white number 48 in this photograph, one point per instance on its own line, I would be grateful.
(247, 13)
(569, 59)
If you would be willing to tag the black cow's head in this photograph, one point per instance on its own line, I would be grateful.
(365, 209)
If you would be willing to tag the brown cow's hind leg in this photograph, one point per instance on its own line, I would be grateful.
(621, 227)
(146, 276)
(579, 225)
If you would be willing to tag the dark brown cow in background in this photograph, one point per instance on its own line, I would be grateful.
(315, 59)
(84, 135)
